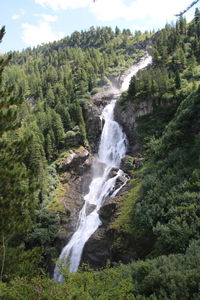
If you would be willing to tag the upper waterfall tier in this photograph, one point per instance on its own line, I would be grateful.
(143, 63)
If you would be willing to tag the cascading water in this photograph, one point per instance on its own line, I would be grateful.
(112, 149)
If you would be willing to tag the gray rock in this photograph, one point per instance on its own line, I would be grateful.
(76, 161)
(126, 116)
(98, 249)
(108, 210)
(89, 208)
(113, 172)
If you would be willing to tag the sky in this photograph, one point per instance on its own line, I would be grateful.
(33, 22)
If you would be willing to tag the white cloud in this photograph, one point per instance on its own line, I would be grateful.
(108, 10)
(47, 18)
(64, 4)
(18, 15)
(43, 32)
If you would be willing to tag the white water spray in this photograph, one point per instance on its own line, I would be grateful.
(112, 149)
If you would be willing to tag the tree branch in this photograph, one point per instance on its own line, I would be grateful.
(190, 6)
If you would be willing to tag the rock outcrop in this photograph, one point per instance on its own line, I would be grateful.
(76, 162)
(101, 246)
(74, 185)
(127, 116)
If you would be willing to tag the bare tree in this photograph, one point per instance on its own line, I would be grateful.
(190, 6)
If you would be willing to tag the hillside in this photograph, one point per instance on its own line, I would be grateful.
(153, 232)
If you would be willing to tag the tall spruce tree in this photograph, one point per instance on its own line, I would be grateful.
(15, 178)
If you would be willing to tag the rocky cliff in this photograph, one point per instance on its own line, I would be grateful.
(126, 116)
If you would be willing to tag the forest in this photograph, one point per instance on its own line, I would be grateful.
(43, 92)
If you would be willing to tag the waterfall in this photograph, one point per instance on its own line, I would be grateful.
(143, 63)
(112, 149)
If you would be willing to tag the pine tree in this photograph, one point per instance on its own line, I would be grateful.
(58, 129)
(15, 179)
(132, 87)
(117, 30)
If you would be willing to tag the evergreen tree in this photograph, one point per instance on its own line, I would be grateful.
(58, 129)
(117, 30)
(15, 180)
(177, 80)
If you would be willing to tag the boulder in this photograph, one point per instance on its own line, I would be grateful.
(127, 164)
(113, 172)
(76, 162)
(89, 208)
(98, 249)
(130, 163)
(108, 210)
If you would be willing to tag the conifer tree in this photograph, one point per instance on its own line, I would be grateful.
(15, 179)
(177, 79)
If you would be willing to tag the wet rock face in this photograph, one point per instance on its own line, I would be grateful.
(102, 246)
(127, 116)
(89, 208)
(92, 112)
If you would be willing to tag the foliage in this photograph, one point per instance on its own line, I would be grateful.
(168, 205)
(166, 277)
(175, 53)
(18, 188)
(22, 263)
(153, 125)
